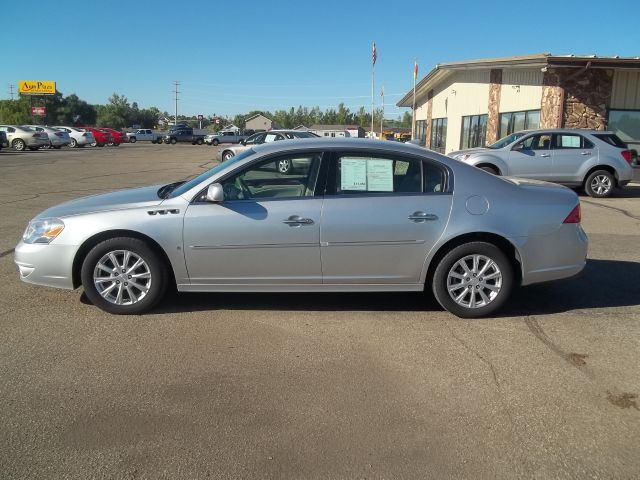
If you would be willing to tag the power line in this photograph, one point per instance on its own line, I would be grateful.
(176, 84)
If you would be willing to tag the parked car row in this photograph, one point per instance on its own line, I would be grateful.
(34, 137)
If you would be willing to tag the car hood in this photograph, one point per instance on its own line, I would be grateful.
(468, 151)
(118, 200)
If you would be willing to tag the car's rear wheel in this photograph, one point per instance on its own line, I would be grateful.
(284, 165)
(600, 184)
(123, 276)
(19, 145)
(473, 280)
(227, 156)
(73, 143)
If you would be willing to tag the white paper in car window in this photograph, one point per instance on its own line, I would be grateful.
(380, 175)
(353, 174)
(269, 138)
(570, 141)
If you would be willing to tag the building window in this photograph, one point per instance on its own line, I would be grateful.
(438, 134)
(421, 131)
(474, 131)
(517, 121)
(626, 124)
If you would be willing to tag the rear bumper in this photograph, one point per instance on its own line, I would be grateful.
(561, 254)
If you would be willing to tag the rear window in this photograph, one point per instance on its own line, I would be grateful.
(611, 139)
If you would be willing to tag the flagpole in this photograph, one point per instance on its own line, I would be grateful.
(373, 74)
(382, 118)
(413, 116)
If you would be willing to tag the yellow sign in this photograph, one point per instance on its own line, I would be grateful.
(37, 87)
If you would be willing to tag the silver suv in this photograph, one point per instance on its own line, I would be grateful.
(596, 160)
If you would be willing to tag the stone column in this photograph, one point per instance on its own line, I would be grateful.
(427, 140)
(552, 100)
(493, 117)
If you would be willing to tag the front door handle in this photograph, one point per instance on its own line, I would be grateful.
(585, 153)
(545, 155)
(296, 220)
(422, 217)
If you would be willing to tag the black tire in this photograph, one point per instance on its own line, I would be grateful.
(153, 265)
(449, 275)
(227, 155)
(600, 184)
(200, 141)
(73, 143)
(33, 149)
(134, 140)
(57, 147)
(19, 145)
(173, 141)
(215, 142)
(491, 170)
(284, 166)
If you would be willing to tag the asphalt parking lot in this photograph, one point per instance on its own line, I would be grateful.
(312, 385)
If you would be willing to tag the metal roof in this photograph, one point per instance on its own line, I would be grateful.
(538, 60)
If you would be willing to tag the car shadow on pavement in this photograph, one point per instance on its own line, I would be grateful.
(602, 284)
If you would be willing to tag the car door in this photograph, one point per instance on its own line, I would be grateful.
(382, 214)
(570, 152)
(531, 157)
(266, 231)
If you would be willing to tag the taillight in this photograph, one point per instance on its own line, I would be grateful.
(626, 154)
(84, 134)
(574, 216)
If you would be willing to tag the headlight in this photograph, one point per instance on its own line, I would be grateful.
(42, 230)
(462, 156)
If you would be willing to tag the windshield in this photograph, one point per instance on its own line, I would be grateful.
(186, 186)
(503, 142)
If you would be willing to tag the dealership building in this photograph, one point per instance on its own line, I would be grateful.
(473, 103)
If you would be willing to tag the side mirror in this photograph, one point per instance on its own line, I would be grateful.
(215, 193)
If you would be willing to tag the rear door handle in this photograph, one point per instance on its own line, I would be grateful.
(296, 220)
(585, 153)
(422, 217)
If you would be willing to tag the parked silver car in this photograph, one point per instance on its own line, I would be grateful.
(364, 215)
(78, 137)
(596, 160)
(259, 138)
(21, 138)
(57, 138)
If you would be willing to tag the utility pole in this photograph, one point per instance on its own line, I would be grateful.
(176, 85)
(11, 86)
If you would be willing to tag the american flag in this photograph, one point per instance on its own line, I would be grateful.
(374, 53)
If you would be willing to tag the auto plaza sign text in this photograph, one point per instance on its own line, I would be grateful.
(37, 87)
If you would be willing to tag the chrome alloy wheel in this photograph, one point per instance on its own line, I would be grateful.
(284, 165)
(474, 281)
(122, 277)
(601, 184)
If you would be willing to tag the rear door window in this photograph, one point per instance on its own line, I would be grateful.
(611, 139)
(569, 141)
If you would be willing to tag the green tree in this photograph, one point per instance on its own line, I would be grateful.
(116, 114)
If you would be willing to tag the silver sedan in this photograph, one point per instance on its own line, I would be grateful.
(363, 215)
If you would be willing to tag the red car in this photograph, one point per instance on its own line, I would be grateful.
(101, 137)
(118, 137)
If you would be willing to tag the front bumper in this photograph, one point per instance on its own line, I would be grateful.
(49, 265)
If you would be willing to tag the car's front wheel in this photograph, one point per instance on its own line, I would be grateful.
(284, 165)
(123, 276)
(600, 184)
(227, 156)
(133, 140)
(473, 280)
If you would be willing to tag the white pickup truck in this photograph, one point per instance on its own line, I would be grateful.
(144, 134)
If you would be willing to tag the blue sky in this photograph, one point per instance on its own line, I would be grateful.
(275, 55)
